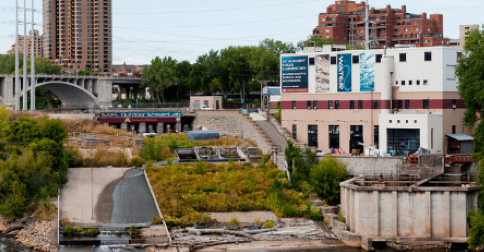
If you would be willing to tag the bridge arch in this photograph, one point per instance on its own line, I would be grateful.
(71, 95)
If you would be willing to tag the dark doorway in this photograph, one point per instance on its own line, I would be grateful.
(356, 137)
(313, 136)
(217, 105)
(133, 127)
(151, 128)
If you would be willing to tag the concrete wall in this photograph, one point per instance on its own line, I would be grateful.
(400, 212)
(197, 101)
(72, 116)
(232, 123)
(367, 165)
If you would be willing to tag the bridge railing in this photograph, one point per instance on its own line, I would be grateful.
(116, 105)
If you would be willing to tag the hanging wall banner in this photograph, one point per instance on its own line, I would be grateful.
(294, 74)
(367, 72)
(344, 72)
(321, 63)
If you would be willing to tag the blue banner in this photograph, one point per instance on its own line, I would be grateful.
(138, 114)
(344, 72)
(367, 72)
(294, 74)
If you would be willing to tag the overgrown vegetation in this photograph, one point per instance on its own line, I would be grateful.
(470, 73)
(33, 162)
(320, 177)
(185, 191)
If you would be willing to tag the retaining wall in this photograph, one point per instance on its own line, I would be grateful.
(233, 123)
(368, 165)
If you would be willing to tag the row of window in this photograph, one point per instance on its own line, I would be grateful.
(356, 135)
(359, 103)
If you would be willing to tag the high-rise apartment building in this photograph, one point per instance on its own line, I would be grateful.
(38, 44)
(78, 34)
(344, 21)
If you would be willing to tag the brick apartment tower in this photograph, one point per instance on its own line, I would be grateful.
(78, 34)
(344, 21)
(38, 44)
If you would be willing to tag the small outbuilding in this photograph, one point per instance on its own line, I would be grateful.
(459, 144)
(203, 135)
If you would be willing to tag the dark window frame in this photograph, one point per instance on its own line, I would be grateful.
(309, 104)
(355, 59)
(360, 104)
(294, 104)
(402, 57)
(407, 104)
(426, 104)
(294, 131)
(330, 105)
(315, 105)
(311, 61)
(352, 104)
(376, 104)
(378, 58)
(336, 104)
(427, 56)
(333, 60)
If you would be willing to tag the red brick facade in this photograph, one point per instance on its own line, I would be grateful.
(387, 26)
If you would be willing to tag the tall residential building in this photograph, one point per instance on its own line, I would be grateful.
(344, 21)
(78, 34)
(38, 44)
(464, 31)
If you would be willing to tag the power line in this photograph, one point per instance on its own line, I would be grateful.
(218, 10)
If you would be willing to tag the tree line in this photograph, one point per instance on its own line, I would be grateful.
(235, 69)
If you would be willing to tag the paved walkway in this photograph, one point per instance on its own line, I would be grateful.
(272, 133)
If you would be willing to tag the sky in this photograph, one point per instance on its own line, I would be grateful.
(186, 29)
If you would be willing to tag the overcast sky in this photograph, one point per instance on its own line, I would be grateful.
(185, 29)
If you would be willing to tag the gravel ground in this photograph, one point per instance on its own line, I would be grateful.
(132, 200)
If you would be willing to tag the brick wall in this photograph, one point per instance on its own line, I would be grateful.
(233, 123)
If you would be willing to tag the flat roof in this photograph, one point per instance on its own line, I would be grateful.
(460, 137)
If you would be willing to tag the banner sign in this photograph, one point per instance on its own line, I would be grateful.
(139, 114)
(139, 120)
(367, 72)
(344, 72)
(321, 63)
(294, 74)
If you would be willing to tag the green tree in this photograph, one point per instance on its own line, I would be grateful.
(183, 70)
(325, 178)
(160, 76)
(317, 41)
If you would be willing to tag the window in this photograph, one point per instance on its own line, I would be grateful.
(311, 61)
(293, 105)
(427, 41)
(378, 58)
(360, 104)
(336, 104)
(431, 138)
(418, 82)
(453, 129)
(409, 82)
(330, 104)
(403, 83)
(428, 56)
(416, 29)
(356, 59)
(313, 136)
(333, 60)
(407, 104)
(459, 55)
(315, 104)
(333, 136)
(376, 135)
(402, 142)
(389, 121)
(406, 29)
(396, 30)
(294, 131)
(425, 82)
(309, 104)
(376, 105)
(399, 104)
(352, 104)
(454, 105)
(403, 57)
(426, 104)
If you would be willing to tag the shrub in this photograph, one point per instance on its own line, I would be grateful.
(64, 222)
(234, 221)
(132, 228)
(79, 229)
(257, 220)
(342, 219)
(69, 230)
(325, 178)
(137, 161)
(206, 217)
(476, 229)
(157, 220)
(93, 231)
(269, 224)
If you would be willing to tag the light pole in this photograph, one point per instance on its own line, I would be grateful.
(25, 82)
(17, 71)
(32, 67)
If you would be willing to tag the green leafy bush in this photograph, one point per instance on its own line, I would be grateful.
(342, 219)
(325, 178)
(269, 224)
(93, 231)
(69, 230)
(137, 161)
(157, 220)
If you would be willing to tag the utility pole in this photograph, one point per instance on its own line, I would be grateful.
(25, 82)
(367, 42)
(17, 75)
(32, 67)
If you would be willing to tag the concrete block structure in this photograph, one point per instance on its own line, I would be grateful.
(418, 213)
(215, 102)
